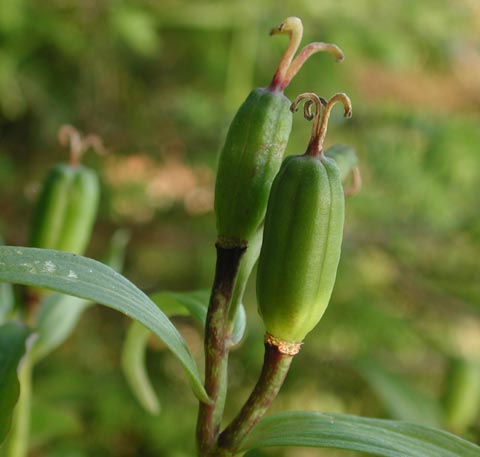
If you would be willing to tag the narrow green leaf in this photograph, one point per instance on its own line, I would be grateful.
(402, 400)
(134, 349)
(58, 316)
(86, 278)
(193, 303)
(12, 348)
(135, 370)
(380, 437)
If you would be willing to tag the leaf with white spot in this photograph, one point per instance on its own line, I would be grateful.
(99, 283)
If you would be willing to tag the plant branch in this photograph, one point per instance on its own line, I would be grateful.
(216, 347)
(275, 368)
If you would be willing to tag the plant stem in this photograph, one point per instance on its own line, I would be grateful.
(17, 444)
(216, 347)
(275, 368)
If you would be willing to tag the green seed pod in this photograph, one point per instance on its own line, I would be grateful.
(302, 236)
(248, 163)
(255, 144)
(68, 204)
(66, 209)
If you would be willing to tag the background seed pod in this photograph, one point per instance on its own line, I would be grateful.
(66, 209)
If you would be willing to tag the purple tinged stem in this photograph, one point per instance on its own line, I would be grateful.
(216, 347)
(274, 371)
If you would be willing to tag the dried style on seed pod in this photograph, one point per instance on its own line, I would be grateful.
(255, 143)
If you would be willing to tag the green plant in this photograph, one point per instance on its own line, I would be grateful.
(96, 282)
(63, 219)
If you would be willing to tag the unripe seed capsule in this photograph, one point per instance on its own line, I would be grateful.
(302, 236)
(255, 144)
(68, 202)
(66, 209)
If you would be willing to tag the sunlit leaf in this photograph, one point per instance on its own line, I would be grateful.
(12, 348)
(92, 280)
(384, 438)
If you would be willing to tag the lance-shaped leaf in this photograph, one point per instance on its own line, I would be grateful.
(86, 278)
(12, 348)
(380, 437)
(135, 370)
(59, 314)
(194, 304)
(134, 348)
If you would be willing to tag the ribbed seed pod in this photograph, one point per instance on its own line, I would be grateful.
(250, 158)
(255, 143)
(67, 207)
(302, 237)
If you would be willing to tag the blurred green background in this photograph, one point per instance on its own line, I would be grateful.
(160, 82)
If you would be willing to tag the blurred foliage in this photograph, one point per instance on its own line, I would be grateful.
(159, 82)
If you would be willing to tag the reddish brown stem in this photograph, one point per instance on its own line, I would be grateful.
(216, 347)
(275, 368)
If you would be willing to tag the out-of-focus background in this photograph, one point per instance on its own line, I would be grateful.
(159, 82)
